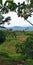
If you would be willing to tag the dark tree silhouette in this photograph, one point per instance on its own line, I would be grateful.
(2, 36)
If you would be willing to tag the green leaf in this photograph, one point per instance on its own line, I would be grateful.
(0, 1)
(9, 0)
(31, 1)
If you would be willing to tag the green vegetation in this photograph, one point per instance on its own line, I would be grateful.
(17, 48)
(2, 36)
(26, 48)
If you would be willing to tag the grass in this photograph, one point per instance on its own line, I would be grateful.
(8, 50)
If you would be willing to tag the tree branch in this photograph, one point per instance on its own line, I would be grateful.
(29, 22)
(2, 27)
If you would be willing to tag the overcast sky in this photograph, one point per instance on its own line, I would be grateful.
(17, 21)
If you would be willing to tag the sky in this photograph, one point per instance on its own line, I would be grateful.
(15, 20)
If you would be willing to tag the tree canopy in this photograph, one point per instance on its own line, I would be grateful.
(22, 9)
(26, 48)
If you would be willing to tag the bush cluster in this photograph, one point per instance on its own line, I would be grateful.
(26, 48)
(2, 36)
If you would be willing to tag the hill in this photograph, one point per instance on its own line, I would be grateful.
(19, 28)
(8, 55)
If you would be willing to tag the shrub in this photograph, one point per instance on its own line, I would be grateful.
(4, 54)
(29, 47)
(26, 48)
(2, 36)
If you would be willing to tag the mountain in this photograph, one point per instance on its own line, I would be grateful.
(19, 28)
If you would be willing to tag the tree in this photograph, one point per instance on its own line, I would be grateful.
(3, 9)
(26, 48)
(2, 36)
(23, 10)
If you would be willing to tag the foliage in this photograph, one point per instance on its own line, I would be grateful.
(8, 50)
(0, 1)
(29, 47)
(26, 48)
(22, 9)
(4, 54)
(2, 36)
(31, 1)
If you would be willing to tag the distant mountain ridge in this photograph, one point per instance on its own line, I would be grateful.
(19, 28)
